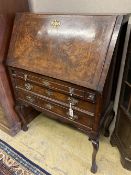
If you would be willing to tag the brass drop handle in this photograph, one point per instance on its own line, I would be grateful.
(91, 96)
(48, 106)
(28, 86)
(49, 93)
(30, 99)
(46, 83)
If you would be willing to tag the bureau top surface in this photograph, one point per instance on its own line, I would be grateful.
(73, 48)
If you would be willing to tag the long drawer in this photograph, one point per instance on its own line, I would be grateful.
(57, 109)
(55, 84)
(55, 96)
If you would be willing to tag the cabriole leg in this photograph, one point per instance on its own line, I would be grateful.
(95, 144)
(20, 108)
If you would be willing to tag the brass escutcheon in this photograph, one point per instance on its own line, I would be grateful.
(25, 77)
(55, 23)
(71, 91)
(73, 101)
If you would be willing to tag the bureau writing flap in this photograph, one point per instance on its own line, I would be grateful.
(72, 48)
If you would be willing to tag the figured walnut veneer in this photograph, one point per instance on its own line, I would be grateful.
(71, 46)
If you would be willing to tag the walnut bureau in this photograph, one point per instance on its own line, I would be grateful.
(64, 66)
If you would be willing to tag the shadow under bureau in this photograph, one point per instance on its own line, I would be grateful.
(65, 66)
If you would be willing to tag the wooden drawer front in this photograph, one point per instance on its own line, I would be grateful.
(57, 85)
(62, 111)
(55, 95)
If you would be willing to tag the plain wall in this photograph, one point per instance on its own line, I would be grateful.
(81, 6)
(88, 6)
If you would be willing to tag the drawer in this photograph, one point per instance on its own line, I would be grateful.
(59, 110)
(54, 84)
(55, 95)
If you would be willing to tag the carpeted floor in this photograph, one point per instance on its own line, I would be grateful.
(62, 150)
(13, 162)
